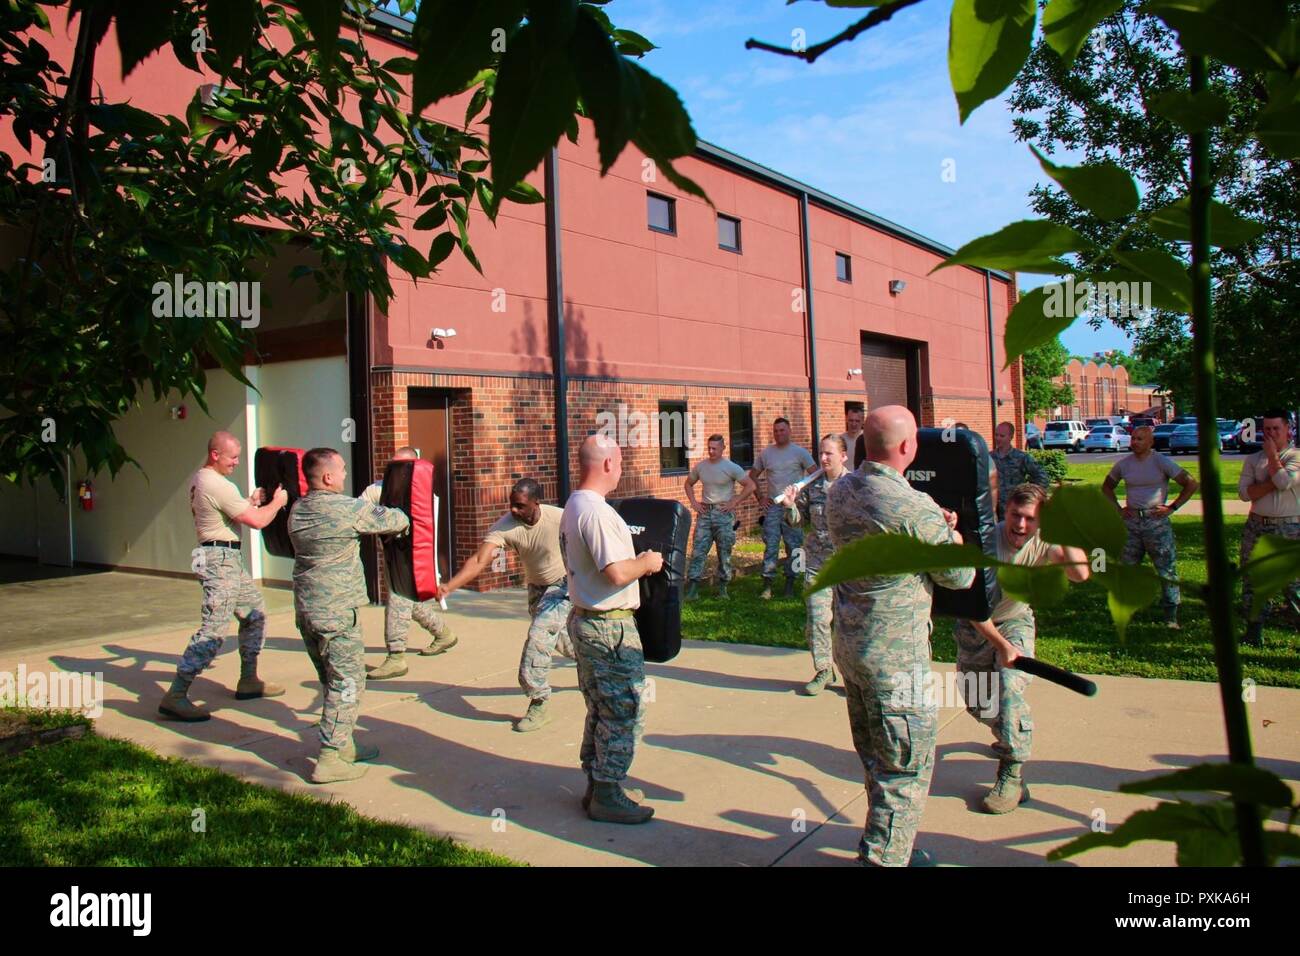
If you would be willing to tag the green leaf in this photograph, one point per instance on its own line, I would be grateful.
(121, 118)
(880, 555)
(432, 219)
(455, 41)
(401, 65)
(1040, 316)
(535, 96)
(1067, 23)
(231, 24)
(610, 91)
(1149, 294)
(1103, 189)
(525, 193)
(266, 149)
(1129, 588)
(1030, 245)
(324, 17)
(988, 43)
(441, 248)
(629, 41)
(1273, 565)
(143, 26)
(408, 258)
(142, 197)
(1038, 586)
(1192, 112)
(665, 132)
(1205, 834)
(1279, 130)
(1083, 517)
(1241, 33)
(1241, 782)
(1162, 270)
(1227, 229)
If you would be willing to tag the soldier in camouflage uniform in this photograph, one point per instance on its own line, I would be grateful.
(218, 509)
(715, 516)
(809, 504)
(603, 571)
(1146, 474)
(882, 630)
(1014, 467)
(329, 585)
(399, 610)
(532, 530)
(1270, 481)
(784, 463)
(987, 649)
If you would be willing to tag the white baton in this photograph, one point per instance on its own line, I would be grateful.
(799, 486)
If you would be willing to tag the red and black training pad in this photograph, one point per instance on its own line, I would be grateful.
(279, 467)
(663, 525)
(955, 473)
(411, 560)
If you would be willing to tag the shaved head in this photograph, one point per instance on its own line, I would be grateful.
(220, 441)
(601, 463)
(405, 453)
(886, 429)
(223, 453)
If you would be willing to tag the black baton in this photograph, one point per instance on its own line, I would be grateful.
(1067, 679)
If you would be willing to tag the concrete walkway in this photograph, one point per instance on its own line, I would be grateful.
(740, 769)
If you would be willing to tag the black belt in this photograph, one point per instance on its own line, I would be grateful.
(219, 544)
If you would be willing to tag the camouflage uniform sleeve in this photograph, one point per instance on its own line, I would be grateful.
(929, 526)
(797, 512)
(376, 519)
(1036, 473)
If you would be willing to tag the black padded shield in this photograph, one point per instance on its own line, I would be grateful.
(399, 564)
(272, 468)
(663, 525)
(955, 473)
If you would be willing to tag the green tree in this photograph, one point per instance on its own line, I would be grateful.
(1042, 365)
(118, 199)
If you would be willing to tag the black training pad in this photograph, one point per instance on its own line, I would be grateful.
(955, 473)
(272, 468)
(399, 563)
(663, 525)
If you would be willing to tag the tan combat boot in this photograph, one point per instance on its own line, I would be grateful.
(177, 706)
(818, 683)
(441, 644)
(538, 716)
(250, 687)
(332, 768)
(351, 752)
(1010, 789)
(394, 665)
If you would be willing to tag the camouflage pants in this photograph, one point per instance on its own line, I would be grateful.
(1154, 537)
(397, 620)
(712, 525)
(611, 675)
(995, 696)
(336, 648)
(548, 606)
(775, 530)
(894, 735)
(1255, 529)
(818, 627)
(228, 592)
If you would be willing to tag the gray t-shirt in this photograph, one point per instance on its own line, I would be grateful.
(782, 466)
(592, 537)
(1146, 481)
(719, 479)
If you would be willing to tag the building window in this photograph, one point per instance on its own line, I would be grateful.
(661, 213)
(740, 429)
(674, 436)
(728, 233)
(843, 267)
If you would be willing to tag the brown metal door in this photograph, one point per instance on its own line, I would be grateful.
(430, 424)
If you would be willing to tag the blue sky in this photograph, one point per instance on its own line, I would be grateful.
(872, 122)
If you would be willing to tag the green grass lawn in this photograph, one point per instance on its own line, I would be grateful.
(104, 802)
(1094, 473)
(1077, 634)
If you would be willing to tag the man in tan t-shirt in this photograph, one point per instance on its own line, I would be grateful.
(532, 530)
(218, 509)
(987, 649)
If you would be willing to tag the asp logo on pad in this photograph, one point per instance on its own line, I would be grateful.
(916, 475)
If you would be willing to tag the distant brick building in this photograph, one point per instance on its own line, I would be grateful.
(1104, 389)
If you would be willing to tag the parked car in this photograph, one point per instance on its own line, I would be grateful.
(1161, 435)
(1033, 437)
(1137, 421)
(1185, 441)
(1107, 438)
(1067, 435)
(1228, 434)
(1092, 423)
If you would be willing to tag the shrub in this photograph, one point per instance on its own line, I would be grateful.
(1053, 462)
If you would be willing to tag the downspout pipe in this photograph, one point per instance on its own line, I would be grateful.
(993, 362)
(555, 316)
(808, 312)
